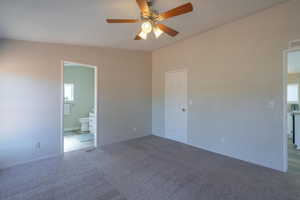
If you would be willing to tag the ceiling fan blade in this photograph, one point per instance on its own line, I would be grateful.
(177, 11)
(137, 37)
(143, 6)
(167, 30)
(122, 20)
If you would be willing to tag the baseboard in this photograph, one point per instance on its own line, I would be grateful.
(223, 154)
(123, 140)
(233, 157)
(31, 161)
(158, 135)
(71, 129)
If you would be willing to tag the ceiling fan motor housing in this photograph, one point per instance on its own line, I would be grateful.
(150, 3)
(153, 17)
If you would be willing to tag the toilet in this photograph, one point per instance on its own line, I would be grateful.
(84, 124)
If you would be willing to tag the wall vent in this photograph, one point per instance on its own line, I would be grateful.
(294, 44)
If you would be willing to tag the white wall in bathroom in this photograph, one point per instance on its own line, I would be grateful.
(84, 88)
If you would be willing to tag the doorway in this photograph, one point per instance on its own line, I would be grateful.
(79, 106)
(176, 105)
(292, 111)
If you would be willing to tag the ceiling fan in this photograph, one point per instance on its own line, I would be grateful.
(150, 19)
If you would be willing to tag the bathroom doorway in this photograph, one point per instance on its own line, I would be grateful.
(79, 107)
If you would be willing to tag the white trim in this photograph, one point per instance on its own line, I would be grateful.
(96, 107)
(285, 83)
(62, 101)
(177, 70)
(232, 156)
(72, 129)
(79, 64)
(31, 161)
(62, 104)
(220, 153)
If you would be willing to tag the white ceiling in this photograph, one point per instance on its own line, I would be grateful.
(83, 21)
(294, 62)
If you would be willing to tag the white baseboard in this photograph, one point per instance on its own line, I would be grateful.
(224, 154)
(158, 135)
(72, 129)
(30, 161)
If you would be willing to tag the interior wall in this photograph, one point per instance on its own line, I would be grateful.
(83, 79)
(235, 85)
(30, 96)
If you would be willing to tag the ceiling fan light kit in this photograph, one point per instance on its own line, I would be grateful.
(146, 27)
(143, 35)
(157, 31)
(151, 19)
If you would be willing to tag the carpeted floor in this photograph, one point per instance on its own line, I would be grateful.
(148, 168)
(294, 158)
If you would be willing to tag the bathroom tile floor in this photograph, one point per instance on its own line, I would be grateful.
(77, 140)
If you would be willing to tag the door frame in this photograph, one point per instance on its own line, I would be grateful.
(187, 101)
(96, 103)
(285, 106)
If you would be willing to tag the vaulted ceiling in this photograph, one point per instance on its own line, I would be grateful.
(83, 21)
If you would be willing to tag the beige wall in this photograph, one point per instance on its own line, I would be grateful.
(30, 92)
(235, 83)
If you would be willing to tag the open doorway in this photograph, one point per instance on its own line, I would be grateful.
(79, 130)
(292, 61)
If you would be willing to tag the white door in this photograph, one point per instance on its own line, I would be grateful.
(176, 106)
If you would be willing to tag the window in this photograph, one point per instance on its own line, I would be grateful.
(69, 92)
(292, 93)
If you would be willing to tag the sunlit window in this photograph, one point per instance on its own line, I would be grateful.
(293, 93)
(69, 92)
